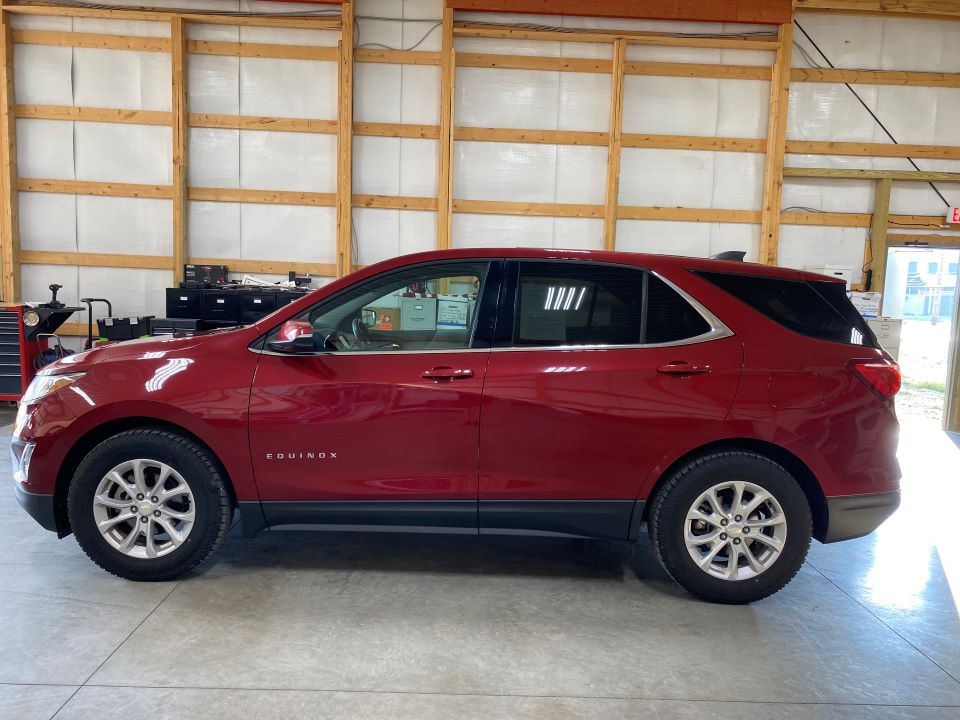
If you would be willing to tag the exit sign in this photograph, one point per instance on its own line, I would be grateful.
(953, 215)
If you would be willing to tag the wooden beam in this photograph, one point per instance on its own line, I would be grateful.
(533, 62)
(732, 11)
(861, 149)
(273, 267)
(876, 77)
(825, 219)
(276, 51)
(776, 139)
(262, 197)
(614, 146)
(345, 145)
(598, 35)
(878, 235)
(933, 240)
(397, 57)
(90, 40)
(400, 130)
(861, 220)
(679, 214)
(698, 70)
(502, 207)
(103, 189)
(899, 175)
(445, 164)
(89, 114)
(251, 122)
(395, 202)
(692, 142)
(10, 255)
(539, 137)
(279, 20)
(181, 142)
(928, 9)
(88, 259)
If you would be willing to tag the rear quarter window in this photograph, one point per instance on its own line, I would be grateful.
(816, 309)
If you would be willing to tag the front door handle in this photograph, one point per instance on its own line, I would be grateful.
(440, 374)
(682, 367)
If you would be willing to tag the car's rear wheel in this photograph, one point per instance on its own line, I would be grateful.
(148, 504)
(731, 526)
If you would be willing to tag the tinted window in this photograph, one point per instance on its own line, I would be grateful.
(585, 304)
(578, 304)
(820, 310)
(669, 317)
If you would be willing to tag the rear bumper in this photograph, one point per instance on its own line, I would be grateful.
(39, 506)
(858, 515)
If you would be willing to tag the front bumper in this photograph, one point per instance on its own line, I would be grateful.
(39, 505)
(854, 516)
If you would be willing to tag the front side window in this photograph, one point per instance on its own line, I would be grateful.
(571, 304)
(421, 308)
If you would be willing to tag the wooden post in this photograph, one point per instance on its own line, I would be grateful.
(345, 145)
(614, 146)
(9, 203)
(178, 66)
(951, 413)
(445, 178)
(878, 236)
(776, 144)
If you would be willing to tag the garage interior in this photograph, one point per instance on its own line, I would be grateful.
(304, 139)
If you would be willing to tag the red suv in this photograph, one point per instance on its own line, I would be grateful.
(737, 410)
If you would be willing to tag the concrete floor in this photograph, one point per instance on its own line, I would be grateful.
(381, 626)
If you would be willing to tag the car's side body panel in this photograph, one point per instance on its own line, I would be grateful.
(366, 426)
(203, 388)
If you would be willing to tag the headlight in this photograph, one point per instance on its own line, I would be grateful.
(41, 386)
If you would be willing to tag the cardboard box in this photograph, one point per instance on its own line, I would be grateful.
(866, 303)
(843, 272)
(387, 318)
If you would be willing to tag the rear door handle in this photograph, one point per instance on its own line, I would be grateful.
(681, 367)
(439, 374)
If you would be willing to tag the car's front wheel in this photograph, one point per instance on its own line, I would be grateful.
(148, 504)
(731, 526)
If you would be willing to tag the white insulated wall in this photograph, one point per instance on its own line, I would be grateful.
(482, 171)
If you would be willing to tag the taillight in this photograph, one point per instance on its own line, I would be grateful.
(881, 377)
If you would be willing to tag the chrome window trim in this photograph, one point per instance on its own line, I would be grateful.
(718, 330)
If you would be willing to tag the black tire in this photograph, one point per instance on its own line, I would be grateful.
(212, 508)
(668, 512)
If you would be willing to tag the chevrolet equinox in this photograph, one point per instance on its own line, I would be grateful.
(733, 410)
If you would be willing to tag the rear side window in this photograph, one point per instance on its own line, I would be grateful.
(563, 304)
(817, 309)
(670, 318)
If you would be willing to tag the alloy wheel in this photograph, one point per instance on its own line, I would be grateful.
(735, 530)
(144, 508)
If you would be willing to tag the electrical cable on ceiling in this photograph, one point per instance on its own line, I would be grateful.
(866, 107)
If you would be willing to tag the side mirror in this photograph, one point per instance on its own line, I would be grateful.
(298, 345)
